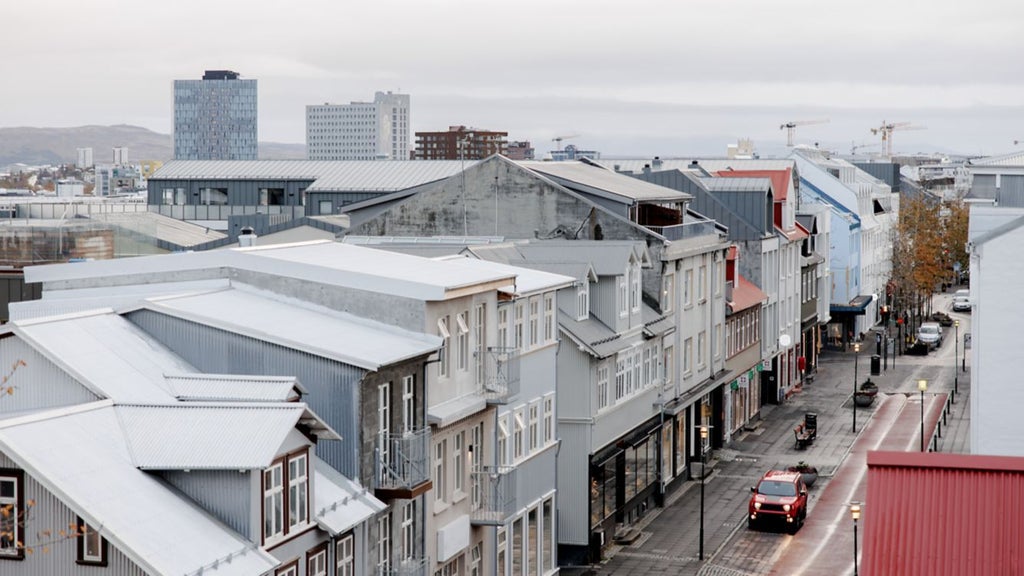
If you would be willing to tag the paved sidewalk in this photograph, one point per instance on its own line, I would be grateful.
(670, 540)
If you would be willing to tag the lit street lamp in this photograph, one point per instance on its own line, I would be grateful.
(922, 385)
(704, 429)
(856, 356)
(956, 360)
(855, 514)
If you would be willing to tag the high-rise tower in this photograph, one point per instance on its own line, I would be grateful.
(215, 118)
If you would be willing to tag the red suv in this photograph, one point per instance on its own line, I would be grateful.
(779, 497)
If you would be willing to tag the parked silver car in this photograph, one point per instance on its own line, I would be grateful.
(930, 333)
(961, 304)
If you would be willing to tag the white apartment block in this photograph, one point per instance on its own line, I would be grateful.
(84, 157)
(377, 130)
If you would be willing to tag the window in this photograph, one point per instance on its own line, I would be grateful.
(549, 318)
(687, 355)
(273, 501)
(474, 561)
(548, 547)
(92, 548)
(480, 341)
(583, 300)
(518, 328)
(602, 385)
(534, 321)
(620, 377)
(463, 341)
(345, 562)
(457, 462)
(298, 490)
(623, 297)
(290, 569)
(668, 288)
(534, 426)
(409, 530)
(502, 546)
(316, 561)
(384, 543)
(476, 443)
(701, 344)
(502, 328)
(12, 506)
(688, 288)
(549, 419)
(442, 330)
(519, 429)
(408, 405)
(384, 425)
(440, 470)
(702, 281)
(634, 290)
(503, 434)
(668, 366)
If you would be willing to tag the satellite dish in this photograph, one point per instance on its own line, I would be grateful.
(785, 340)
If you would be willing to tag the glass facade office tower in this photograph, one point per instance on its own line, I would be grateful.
(377, 130)
(215, 118)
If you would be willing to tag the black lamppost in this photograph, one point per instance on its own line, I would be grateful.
(855, 514)
(704, 429)
(922, 385)
(856, 356)
(956, 359)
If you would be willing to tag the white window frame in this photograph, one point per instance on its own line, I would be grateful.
(298, 490)
(409, 530)
(623, 293)
(620, 377)
(534, 321)
(549, 419)
(384, 423)
(462, 341)
(702, 279)
(583, 300)
(668, 287)
(503, 327)
(89, 537)
(550, 324)
(687, 356)
(384, 543)
(688, 287)
(602, 385)
(534, 426)
(518, 433)
(503, 438)
(316, 563)
(480, 341)
(702, 338)
(635, 287)
(517, 321)
(441, 470)
(444, 352)
(408, 404)
(458, 463)
(344, 556)
(273, 502)
(12, 504)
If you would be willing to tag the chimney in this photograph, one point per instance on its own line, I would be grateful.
(247, 237)
(647, 168)
(656, 165)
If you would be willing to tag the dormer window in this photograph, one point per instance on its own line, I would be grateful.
(583, 300)
(623, 297)
(634, 288)
(285, 496)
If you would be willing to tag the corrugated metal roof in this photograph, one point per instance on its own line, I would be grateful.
(153, 225)
(81, 456)
(527, 281)
(234, 388)
(208, 436)
(594, 178)
(714, 184)
(609, 258)
(63, 302)
(745, 294)
(934, 514)
(107, 354)
(709, 164)
(1011, 159)
(327, 176)
(339, 503)
(600, 340)
(782, 180)
(302, 326)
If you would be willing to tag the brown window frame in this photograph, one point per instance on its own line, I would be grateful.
(285, 500)
(80, 558)
(19, 496)
(322, 547)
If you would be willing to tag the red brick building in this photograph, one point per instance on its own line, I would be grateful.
(460, 143)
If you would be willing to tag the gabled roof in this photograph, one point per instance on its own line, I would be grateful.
(80, 454)
(213, 436)
(334, 176)
(528, 280)
(943, 514)
(593, 178)
(300, 325)
(745, 294)
(234, 388)
(782, 180)
(340, 503)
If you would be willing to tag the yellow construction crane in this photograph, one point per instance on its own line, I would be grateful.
(886, 130)
(791, 128)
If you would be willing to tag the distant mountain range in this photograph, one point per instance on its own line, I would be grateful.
(34, 146)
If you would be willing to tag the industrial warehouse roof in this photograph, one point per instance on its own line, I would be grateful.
(302, 326)
(81, 455)
(940, 514)
(1013, 159)
(593, 178)
(213, 436)
(324, 261)
(331, 176)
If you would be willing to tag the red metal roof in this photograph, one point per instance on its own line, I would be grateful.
(940, 514)
(780, 179)
(745, 294)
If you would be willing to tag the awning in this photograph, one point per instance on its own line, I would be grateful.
(678, 404)
(446, 413)
(856, 306)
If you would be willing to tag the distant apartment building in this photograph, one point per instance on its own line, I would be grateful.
(520, 150)
(215, 118)
(377, 130)
(84, 158)
(460, 143)
(120, 156)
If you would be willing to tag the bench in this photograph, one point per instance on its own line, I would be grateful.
(804, 438)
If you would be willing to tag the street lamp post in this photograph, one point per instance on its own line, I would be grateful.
(704, 429)
(956, 359)
(922, 385)
(856, 356)
(855, 514)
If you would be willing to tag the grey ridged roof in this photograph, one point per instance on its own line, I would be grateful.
(599, 340)
(233, 388)
(595, 178)
(331, 176)
(153, 225)
(737, 184)
(709, 164)
(1012, 159)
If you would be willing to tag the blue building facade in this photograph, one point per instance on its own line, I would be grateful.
(215, 118)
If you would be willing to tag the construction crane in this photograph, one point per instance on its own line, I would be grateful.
(791, 127)
(558, 140)
(886, 130)
(857, 146)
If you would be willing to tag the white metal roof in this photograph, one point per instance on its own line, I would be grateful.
(106, 353)
(340, 503)
(62, 302)
(341, 175)
(235, 388)
(299, 325)
(211, 436)
(1011, 159)
(528, 281)
(81, 456)
(596, 178)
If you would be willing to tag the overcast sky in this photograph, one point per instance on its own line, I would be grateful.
(638, 77)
